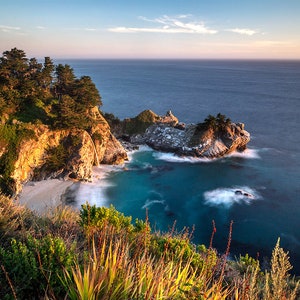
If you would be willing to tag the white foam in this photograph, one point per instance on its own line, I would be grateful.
(142, 148)
(226, 197)
(171, 157)
(149, 203)
(248, 153)
(94, 192)
(145, 148)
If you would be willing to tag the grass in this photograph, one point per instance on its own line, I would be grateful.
(140, 123)
(97, 254)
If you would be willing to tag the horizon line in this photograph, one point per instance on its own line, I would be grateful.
(174, 58)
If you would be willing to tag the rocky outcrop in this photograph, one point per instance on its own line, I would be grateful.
(168, 119)
(108, 149)
(66, 153)
(194, 140)
(142, 121)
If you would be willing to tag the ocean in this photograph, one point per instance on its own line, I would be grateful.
(191, 193)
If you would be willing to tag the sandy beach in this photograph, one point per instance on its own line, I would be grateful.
(42, 195)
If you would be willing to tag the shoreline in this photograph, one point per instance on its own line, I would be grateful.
(42, 195)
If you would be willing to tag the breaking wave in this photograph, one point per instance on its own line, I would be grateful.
(171, 157)
(248, 153)
(226, 197)
(94, 192)
(153, 198)
(143, 148)
(149, 203)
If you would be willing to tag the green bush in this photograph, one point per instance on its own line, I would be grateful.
(33, 112)
(22, 267)
(246, 262)
(180, 246)
(57, 157)
(36, 265)
(102, 216)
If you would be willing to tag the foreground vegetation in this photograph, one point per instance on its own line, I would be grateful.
(99, 253)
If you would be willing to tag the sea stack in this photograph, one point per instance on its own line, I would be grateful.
(214, 138)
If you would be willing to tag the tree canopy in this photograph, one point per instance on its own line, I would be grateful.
(38, 92)
(32, 91)
(220, 122)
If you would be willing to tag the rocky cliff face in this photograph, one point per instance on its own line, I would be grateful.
(69, 153)
(189, 140)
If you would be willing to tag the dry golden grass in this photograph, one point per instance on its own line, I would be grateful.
(112, 262)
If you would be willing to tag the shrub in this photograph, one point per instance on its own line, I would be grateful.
(57, 157)
(92, 216)
(35, 266)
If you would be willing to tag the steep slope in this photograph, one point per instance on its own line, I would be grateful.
(68, 153)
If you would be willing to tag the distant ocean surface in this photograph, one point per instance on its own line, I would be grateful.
(265, 95)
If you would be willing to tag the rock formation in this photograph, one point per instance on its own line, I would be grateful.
(71, 153)
(193, 140)
(66, 153)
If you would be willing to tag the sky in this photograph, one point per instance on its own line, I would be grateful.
(158, 29)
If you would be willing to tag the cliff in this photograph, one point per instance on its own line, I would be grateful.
(202, 140)
(66, 153)
(50, 124)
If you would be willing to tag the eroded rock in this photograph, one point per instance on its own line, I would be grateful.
(194, 140)
(66, 153)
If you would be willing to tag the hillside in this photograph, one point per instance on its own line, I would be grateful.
(51, 126)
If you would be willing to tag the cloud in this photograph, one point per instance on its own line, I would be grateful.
(244, 31)
(5, 28)
(168, 25)
(40, 27)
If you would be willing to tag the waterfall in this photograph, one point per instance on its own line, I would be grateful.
(95, 151)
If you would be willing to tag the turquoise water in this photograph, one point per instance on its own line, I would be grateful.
(194, 192)
(265, 95)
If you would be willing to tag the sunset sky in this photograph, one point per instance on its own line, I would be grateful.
(152, 29)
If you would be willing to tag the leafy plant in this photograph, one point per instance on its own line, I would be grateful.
(36, 265)
(102, 216)
(50, 256)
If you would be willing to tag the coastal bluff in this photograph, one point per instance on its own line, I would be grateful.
(66, 153)
(214, 138)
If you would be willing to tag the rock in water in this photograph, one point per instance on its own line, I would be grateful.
(194, 140)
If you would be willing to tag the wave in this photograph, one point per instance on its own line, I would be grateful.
(171, 157)
(149, 203)
(226, 197)
(248, 153)
(154, 197)
(94, 192)
(142, 148)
